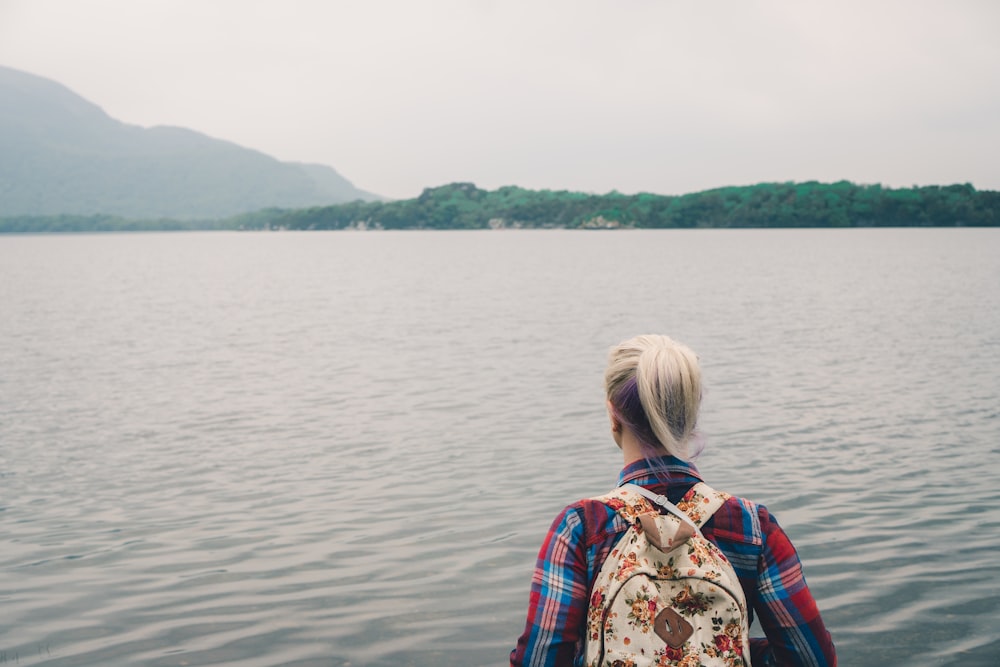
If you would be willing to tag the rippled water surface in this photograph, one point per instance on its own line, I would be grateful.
(345, 448)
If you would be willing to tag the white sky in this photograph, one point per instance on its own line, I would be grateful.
(666, 96)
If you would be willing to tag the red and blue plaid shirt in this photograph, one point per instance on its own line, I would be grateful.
(764, 559)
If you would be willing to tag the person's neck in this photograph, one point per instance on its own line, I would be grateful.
(631, 447)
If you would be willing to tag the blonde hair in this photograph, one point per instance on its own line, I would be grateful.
(653, 384)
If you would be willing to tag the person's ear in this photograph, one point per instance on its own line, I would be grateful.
(616, 424)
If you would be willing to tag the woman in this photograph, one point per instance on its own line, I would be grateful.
(653, 389)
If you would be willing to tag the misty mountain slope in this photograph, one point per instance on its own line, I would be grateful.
(60, 153)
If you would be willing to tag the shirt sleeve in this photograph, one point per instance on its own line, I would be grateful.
(785, 607)
(558, 600)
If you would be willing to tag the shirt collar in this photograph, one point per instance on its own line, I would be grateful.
(661, 468)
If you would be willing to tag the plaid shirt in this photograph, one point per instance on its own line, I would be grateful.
(764, 559)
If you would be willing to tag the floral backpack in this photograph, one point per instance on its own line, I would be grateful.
(666, 595)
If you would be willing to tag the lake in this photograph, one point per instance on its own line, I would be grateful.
(345, 448)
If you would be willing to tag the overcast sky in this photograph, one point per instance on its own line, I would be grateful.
(666, 96)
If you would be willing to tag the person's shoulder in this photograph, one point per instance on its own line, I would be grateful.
(596, 518)
(740, 520)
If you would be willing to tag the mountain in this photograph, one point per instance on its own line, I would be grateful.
(60, 154)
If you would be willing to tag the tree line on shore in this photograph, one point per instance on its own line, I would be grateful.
(464, 206)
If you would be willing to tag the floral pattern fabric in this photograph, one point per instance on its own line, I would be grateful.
(692, 585)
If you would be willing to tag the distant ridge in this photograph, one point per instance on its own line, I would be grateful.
(809, 204)
(464, 206)
(63, 155)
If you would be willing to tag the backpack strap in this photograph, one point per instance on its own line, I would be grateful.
(697, 506)
(663, 502)
(701, 502)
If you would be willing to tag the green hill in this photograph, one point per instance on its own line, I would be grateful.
(464, 206)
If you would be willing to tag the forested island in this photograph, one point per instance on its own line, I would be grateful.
(464, 206)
